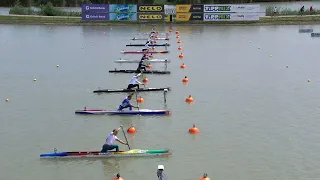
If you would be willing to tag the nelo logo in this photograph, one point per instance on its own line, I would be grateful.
(150, 8)
(150, 16)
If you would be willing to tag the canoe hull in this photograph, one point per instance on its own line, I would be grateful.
(110, 154)
(144, 52)
(137, 61)
(161, 38)
(144, 112)
(135, 71)
(141, 45)
(131, 90)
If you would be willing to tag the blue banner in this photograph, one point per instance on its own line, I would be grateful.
(122, 8)
(123, 16)
(95, 8)
(96, 16)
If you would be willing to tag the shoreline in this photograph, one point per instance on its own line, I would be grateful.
(77, 21)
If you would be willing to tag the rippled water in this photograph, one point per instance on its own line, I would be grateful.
(258, 119)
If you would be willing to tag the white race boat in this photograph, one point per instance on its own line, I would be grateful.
(137, 61)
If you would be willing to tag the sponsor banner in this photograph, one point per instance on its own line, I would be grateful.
(95, 8)
(184, 8)
(123, 8)
(252, 16)
(150, 16)
(169, 9)
(95, 17)
(189, 17)
(231, 8)
(229, 17)
(122, 16)
(150, 8)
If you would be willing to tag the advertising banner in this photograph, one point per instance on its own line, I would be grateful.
(150, 16)
(229, 17)
(123, 16)
(95, 8)
(150, 8)
(170, 9)
(123, 8)
(189, 17)
(95, 17)
(185, 8)
(231, 8)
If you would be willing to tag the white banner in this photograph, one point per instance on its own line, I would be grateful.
(230, 17)
(231, 8)
(170, 9)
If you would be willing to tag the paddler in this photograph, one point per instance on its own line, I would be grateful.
(110, 140)
(134, 82)
(141, 66)
(146, 47)
(126, 103)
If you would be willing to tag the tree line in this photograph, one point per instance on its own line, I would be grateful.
(76, 3)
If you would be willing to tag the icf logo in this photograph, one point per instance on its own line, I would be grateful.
(87, 16)
(87, 8)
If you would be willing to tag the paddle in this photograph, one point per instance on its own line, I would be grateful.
(137, 99)
(125, 136)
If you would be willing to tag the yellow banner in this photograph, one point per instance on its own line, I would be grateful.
(183, 17)
(183, 8)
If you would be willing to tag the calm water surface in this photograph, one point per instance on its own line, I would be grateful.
(258, 119)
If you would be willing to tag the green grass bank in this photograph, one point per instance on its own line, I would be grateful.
(76, 21)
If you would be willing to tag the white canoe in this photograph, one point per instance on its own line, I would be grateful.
(137, 61)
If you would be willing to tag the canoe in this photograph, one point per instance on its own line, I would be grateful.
(123, 112)
(135, 71)
(144, 52)
(166, 44)
(109, 154)
(137, 61)
(130, 90)
(160, 38)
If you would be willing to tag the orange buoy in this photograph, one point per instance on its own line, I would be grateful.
(179, 41)
(177, 36)
(145, 80)
(131, 130)
(185, 79)
(183, 66)
(205, 177)
(194, 130)
(180, 48)
(140, 100)
(118, 177)
(149, 66)
(189, 99)
(170, 30)
(181, 56)
(177, 32)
